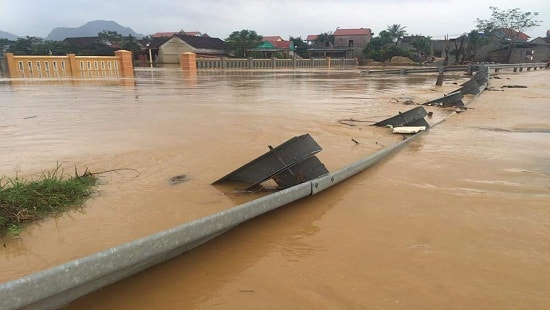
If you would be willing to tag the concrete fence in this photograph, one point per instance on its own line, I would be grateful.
(26, 66)
(272, 63)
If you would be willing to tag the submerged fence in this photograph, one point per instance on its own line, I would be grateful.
(26, 66)
(273, 63)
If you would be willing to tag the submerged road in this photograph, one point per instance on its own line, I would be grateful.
(458, 219)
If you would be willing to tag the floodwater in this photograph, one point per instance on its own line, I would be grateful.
(458, 219)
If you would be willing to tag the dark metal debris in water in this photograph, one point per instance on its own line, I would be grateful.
(288, 164)
(177, 179)
(451, 100)
(412, 117)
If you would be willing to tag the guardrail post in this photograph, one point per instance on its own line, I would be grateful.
(249, 60)
(224, 62)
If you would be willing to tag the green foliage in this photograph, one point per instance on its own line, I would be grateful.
(27, 46)
(24, 201)
(131, 44)
(382, 48)
(4, 45)
(242, 41)
(513, 19)
(109, 36)
(475, 41)
(325, 39)
(300, 46)
(396, 32)
(423, 46)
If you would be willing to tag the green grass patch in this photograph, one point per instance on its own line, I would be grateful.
(23, 201)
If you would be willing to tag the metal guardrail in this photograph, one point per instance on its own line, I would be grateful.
(57, 286)
(465, 68)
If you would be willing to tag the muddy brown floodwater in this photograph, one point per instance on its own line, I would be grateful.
(459, 219)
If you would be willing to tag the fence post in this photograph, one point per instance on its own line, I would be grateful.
(188, 62)
(273, 62)
(249, 59)
(72, 69)
(224, 62)
(328, 62)
(12, 67)
(126, 63)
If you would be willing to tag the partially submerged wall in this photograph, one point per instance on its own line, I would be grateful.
(26, 66)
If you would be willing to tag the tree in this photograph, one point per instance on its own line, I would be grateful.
(423, 46)
(475, 41)
(109, 36)
(300, 46)
(325, 39)
(459, 49)
(131, 44)
(241, 41)
(396, 32)
(382, 48)
(512, 22)
(27, 46)
(4, 45)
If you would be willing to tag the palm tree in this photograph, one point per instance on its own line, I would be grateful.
(397, 32)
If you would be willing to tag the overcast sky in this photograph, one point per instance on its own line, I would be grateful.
(219, 18)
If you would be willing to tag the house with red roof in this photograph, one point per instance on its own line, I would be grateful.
(347, 42)
(187, 33)
(275, 46)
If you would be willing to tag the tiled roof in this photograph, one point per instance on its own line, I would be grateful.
(272, 38)
(82, 41)
(512, 33)
(156, 42)
(163, 34)
(352, 32)
(169, 34)
(203, 42)
(281, 44)
(312, 37)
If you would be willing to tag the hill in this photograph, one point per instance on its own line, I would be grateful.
(90, 29)
(7, 35)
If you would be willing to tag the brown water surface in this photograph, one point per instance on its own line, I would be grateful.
(459, 219)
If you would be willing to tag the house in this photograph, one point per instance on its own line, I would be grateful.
(356, 39)
(169, 34)
(90, 46)
(541, 48)
(150, 51)
(169, 52)
(272, 38)
(346, 43)
(277, 48)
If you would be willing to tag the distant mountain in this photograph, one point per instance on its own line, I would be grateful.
(7, 35)
(90, 29)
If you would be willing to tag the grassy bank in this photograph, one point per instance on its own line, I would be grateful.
(24, 201)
